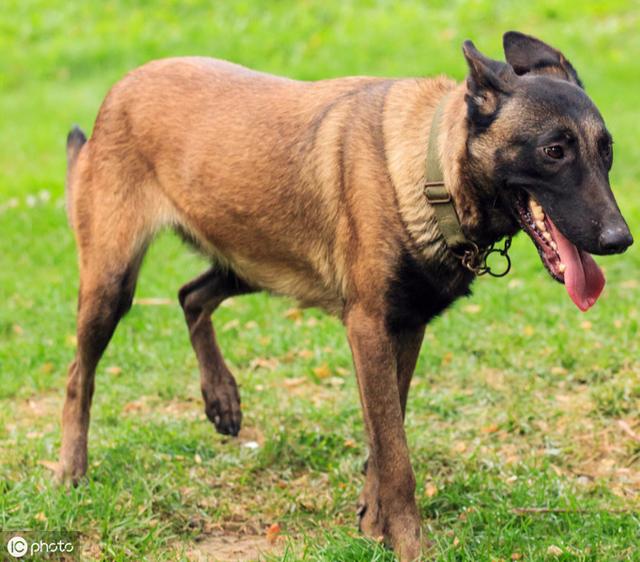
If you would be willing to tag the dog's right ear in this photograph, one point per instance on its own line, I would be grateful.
(487, 82)
(527, 54)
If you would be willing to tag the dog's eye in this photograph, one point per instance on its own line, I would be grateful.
(555, 151)
(606, 149)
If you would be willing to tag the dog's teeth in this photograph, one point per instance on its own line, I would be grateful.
(562, 267)
(536, 210)
(541, 226)
(547, 236)
(554, 245)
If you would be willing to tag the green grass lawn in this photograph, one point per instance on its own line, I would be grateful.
(520, 402)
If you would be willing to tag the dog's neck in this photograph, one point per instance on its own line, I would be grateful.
(481, 217)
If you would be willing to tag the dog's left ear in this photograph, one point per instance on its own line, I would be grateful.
(528, 54)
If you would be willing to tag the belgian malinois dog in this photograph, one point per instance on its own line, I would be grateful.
(316, 190)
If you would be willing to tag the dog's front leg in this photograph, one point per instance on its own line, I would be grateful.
(387, 506)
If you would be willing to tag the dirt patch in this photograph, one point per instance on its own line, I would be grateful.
(236, 548)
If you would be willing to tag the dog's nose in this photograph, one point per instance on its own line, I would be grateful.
(615, 239)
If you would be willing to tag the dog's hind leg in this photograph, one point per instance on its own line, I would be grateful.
(199, 299)
(107, 284)
(115, 210)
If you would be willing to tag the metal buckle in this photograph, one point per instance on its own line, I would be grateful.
(475, 260)
(504, 253)
(434, 199)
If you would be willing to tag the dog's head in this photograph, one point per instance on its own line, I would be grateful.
(537, 138)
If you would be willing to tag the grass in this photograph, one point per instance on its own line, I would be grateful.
(518, 397)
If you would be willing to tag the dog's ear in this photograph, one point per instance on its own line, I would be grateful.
(487, 82)
(528, 54)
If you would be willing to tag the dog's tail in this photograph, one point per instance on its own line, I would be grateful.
(76, 139)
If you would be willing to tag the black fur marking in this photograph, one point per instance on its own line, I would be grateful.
(76, 138)
(565, 67)
(479, 122)
(125, 292)
(419, 292)
(190, 240)
(226, 282)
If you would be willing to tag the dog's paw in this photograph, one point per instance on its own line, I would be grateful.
(222, 406)
(398, 527)
(65, 475)
(369, 514)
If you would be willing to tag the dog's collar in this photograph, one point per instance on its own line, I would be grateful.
(471, 256)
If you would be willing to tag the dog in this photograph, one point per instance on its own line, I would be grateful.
(324, 192)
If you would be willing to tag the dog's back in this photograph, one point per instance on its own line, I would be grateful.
(248, 165)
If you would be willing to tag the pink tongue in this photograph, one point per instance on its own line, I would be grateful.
(583, 278)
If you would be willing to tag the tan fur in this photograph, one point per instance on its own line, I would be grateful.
(310, 190)
(169, 142)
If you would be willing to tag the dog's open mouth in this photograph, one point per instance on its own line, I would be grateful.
(567, 264)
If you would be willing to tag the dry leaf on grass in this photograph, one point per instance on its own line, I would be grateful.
(264, 363)
(136, 406)
(624, 426)
(293, 314)
(153, 301)
(515, 283)
(306, 354)
(273, 532)
(293, 382)
(491, 428)
(459, 446)
(554, 550)
(323, 371)
(231, 325)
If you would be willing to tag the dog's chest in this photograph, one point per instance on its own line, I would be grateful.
(420, 291)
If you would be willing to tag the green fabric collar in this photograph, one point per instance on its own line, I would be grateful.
(472, 258)
(437, 193)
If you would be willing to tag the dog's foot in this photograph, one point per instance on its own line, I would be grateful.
(398, 528)
(70, 469)
(370, 521)
(222, 406)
